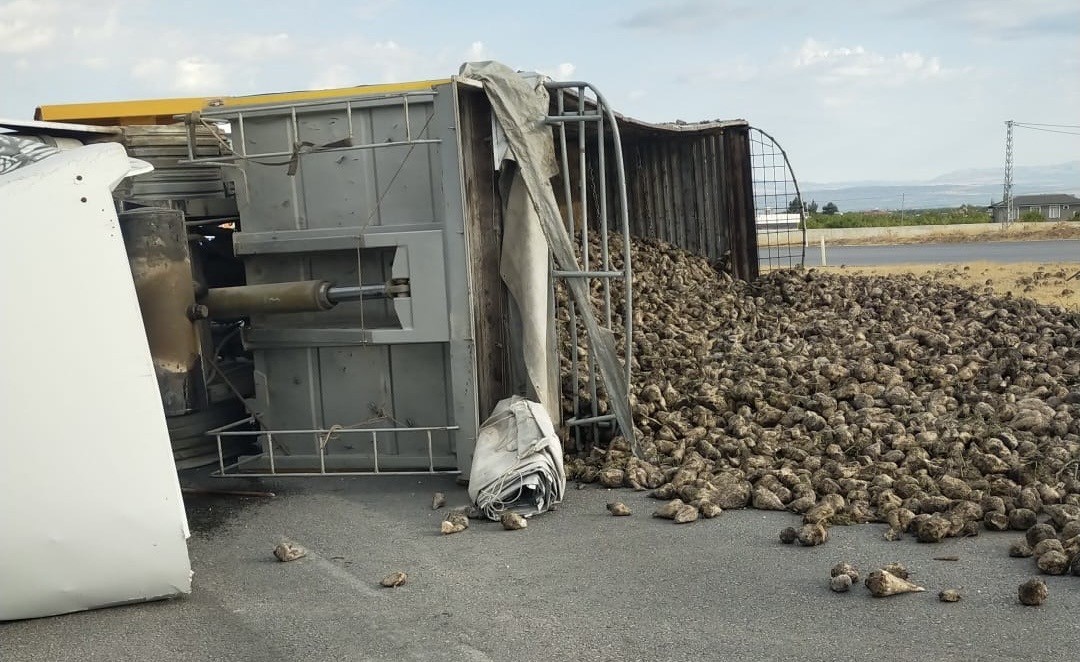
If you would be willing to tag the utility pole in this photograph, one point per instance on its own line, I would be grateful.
(1007, 197)
(902, 195)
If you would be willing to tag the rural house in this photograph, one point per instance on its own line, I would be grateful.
(1052, 206)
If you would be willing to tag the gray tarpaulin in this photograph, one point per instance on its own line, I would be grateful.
(518, 463)
(520, 106)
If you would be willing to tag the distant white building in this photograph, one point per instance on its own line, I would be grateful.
(769, 220)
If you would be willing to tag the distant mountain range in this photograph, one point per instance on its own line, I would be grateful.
(973, 186)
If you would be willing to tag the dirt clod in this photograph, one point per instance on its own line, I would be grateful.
(288, 551)
(619, 509)
(686, 513)
(1022, 519)
(845, 569)
(1033, 592)
(1038, 533)
(512, 521)
(455, 522)
(669, 509)
(394, 579)
(1053, 562)
(949, 595)
(811, 535)
(897, 569)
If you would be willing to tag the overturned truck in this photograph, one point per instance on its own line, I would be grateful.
(350, 280)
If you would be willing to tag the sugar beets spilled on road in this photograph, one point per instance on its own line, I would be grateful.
(937, 409)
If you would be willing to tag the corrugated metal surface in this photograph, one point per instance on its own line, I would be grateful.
(693, 189)
(692, 185)
(166, 147)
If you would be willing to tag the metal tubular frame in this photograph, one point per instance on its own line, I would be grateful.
(349, 105)
(321, 438)
(775, 187)
(604, 119)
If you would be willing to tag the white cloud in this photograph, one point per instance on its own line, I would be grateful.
(26, 26)
(477, 52)
(198, 75)
(368, 62)
(692, 15)
(337, 75)
(149, 68)
(188, 75)
(563, 71)
(842, 65)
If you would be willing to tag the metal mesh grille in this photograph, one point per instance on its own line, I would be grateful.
(779, 210)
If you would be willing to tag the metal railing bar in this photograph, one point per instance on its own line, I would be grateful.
(587, 274)
(568, 199)
(225, 111)
(228, 160)
(604, 252)
(588, 420)
(560, 119)
(583, 186)
(434, 428)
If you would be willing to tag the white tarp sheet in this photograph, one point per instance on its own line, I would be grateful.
(525, 266)
(518, 461)
(89, 498)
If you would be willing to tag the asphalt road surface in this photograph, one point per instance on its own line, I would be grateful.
(577, 584)
(1067, 250)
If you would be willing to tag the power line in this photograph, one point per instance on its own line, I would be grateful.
(1035, 128)
(1059, 126)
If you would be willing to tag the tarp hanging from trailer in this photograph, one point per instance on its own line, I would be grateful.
(520, 108)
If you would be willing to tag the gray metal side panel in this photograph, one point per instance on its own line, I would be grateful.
(318, 370)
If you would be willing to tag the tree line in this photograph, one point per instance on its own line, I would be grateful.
(811, 208)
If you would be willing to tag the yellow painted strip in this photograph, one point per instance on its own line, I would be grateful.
(119, 112)
(163, 111)
(315, 95)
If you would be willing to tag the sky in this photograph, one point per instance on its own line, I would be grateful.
(895, 90)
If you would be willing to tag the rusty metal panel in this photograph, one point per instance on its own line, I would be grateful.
(692, 186)
(483, 219)
(160, 260)
(739, 205)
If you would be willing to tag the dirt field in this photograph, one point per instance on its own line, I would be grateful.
(1046, 283)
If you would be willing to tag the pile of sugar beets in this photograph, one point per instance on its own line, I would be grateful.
(937, 409)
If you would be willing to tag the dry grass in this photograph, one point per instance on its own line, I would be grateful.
(1052, 283)
(944, 234)
(1043, 232)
